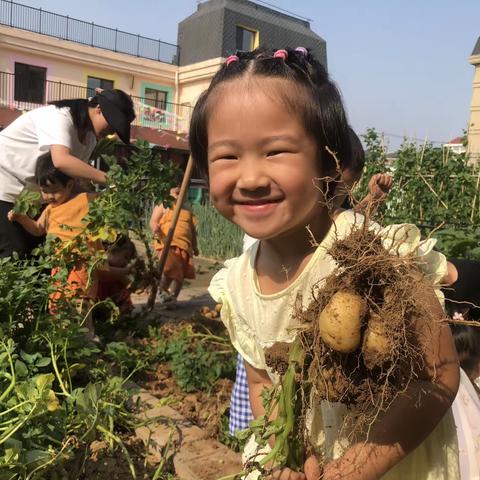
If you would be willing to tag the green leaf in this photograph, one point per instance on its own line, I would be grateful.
(20, 369)
(43, 362)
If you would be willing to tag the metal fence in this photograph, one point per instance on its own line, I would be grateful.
(172, 116)
(60, 26)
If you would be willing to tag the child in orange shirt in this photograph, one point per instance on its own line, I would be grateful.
(63, 218)
(179, 264)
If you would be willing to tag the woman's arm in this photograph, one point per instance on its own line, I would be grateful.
(37, 228)
(74, 167)
(157, 214)
(414, 414)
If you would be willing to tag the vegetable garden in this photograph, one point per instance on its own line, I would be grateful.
(60, 395)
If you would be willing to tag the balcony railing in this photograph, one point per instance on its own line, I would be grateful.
(18, 96)
(66, 28)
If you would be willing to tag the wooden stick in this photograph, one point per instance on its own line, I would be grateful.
(432, 190)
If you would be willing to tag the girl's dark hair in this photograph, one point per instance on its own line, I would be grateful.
(123, 243)
(79, 112)
(358, 153)
(467, 343)
(312, 95)
(46, 173)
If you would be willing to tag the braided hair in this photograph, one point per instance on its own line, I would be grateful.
(310, 94)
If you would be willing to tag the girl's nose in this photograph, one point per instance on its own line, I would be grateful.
(252, 176)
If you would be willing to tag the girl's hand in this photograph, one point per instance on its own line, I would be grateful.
(312, 468)
(379, 186)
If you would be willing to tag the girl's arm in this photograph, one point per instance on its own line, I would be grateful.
(37, 228)
(413, 415)
(257, 381)
(157, 214)
(74, 167)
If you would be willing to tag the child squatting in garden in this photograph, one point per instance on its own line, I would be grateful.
(261, 131)
(179, 264)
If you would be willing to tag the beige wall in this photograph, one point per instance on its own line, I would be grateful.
(194, 79)
(474, 123)
(72, 63)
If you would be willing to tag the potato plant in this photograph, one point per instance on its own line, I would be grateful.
(432, 187)
(56, 394)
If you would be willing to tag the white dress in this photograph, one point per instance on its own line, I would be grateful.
(466, 412)
(255, 321)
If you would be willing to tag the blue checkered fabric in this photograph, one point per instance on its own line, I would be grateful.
(240, 411)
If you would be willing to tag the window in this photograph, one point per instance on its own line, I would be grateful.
(246, 39)
(95, 82)
(156, 98)
(29, 83)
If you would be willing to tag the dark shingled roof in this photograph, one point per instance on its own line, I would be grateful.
(476, 48)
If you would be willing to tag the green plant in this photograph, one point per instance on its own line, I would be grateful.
(28, 203)
(217, 237)
(433, 187)
(197, 360)
(56, 395)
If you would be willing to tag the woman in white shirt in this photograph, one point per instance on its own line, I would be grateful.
(70, 130)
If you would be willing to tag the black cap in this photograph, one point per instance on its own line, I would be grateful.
(117, 108)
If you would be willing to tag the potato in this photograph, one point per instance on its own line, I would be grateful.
(204, 310)
(218, 307)
(340, 321)
(209, 315)
(377, 346)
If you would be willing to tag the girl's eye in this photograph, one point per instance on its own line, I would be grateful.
(224, 157)
(275, 152)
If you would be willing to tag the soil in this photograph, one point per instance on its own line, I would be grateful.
(101, 463)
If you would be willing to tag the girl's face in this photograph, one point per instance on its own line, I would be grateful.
(56, 193)
(262, 162)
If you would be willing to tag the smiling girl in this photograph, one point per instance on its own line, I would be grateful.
(260, 133)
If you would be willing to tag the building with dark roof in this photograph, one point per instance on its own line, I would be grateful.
(221, 27)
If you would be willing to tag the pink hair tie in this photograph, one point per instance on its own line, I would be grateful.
(281, 54)
(231, 59)
(302, 50)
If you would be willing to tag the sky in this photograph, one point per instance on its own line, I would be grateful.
(402, 65)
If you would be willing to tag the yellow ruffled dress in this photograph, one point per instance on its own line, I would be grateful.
(255, 321)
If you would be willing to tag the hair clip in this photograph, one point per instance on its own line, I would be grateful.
(302, 50)
(281, 54)
(231, 59)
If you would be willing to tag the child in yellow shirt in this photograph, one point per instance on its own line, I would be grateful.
(63, 218)
(179, 264)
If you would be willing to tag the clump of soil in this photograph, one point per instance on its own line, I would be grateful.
(201, 408)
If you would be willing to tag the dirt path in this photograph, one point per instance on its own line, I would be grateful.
(193, 296)
(197, 455)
